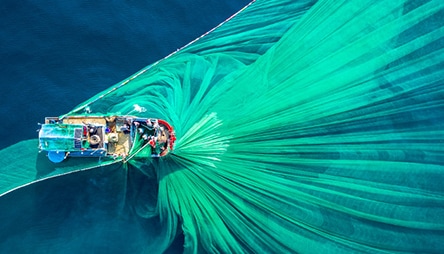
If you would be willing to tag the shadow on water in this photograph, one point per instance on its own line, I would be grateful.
(142, 190)
(142, 199)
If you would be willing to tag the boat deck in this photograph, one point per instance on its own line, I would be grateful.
(122, 146)
(116, 141)
(84, 120)
(97, 136)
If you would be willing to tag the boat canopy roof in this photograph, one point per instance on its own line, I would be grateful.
(61, 137)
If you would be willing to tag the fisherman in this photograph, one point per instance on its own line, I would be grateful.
(125, 128)
(92, 129)
(155, 123)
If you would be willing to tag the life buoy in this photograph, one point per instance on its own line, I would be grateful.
(94, 140)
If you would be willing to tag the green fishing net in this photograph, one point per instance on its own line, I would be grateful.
(302, 127)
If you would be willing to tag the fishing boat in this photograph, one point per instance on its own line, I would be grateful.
(105, 136)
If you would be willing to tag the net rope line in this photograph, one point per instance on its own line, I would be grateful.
(107, 163)
(125, 160)
(131, 78)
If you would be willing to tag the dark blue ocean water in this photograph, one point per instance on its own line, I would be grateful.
(54, 55)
